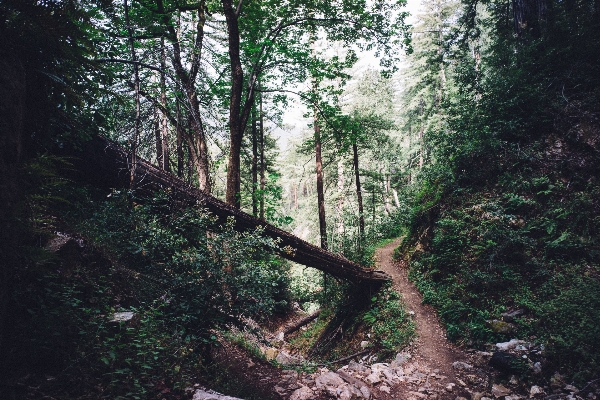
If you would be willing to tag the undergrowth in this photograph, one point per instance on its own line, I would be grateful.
(177, 269)
(530, 242)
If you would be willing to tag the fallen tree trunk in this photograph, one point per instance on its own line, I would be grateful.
(295, 325)
(105, 164)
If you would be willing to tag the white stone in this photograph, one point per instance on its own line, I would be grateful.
(373, 378)
(571, 388)
(366, 393)
(122, 316)
(500, 391)
(347, 392)
(535, 390)
(379, 367)
(328, 380)
(364, 344)
(477, 396)
(389, 374)
(211, 395)
(354, 366)
(384, 388)
(400, 359)
(279, 338)
(450, 387)
(287, 359)
(459, 365)
(505, 346)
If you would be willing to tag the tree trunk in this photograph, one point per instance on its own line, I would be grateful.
(263, 182)
(396, 201)
(136, 83)
(320, 189)
(235, 127)
(527, 15)
(194, 136)
(340, 200)
(295, 325)
(295, 196)
(180, 153)
(254, 165)
(361, 213)
(163, 146)
(421, 132)
(158, 138)
(103, 164)
(387, 202)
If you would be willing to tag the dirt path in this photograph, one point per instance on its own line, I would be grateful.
(431, 351)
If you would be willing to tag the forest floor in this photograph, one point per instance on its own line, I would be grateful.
(435, 369)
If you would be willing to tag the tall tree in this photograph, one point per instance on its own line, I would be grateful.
(153, 22)
(275, 40)
(136, 84)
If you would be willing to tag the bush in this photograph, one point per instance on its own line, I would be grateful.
(181, 272)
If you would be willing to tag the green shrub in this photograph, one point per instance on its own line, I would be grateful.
(391, 326)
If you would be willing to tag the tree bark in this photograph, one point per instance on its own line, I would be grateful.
(195, 136)
(163, 146)
(295, 196)
(232, 196)
(158, 138)
(361, 212)
(396, 200)
(180, 152)
(527, 15)
(341, 197)
(387, 202)
(254, 164)
(320, 189)
(295, 325)
(136, 83)
(104, 164)
(263, 182)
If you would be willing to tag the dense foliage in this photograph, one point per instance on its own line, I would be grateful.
(506, 211)
(180, 273)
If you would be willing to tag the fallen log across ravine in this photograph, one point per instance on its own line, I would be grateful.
(105, 164)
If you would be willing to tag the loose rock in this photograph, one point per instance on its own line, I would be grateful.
(535, 390)
(506, 346)
(211, 395)
(271, 353)
(459, 365)
(304, 393)
(499, 391)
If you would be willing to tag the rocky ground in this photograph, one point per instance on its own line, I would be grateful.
(431, 368)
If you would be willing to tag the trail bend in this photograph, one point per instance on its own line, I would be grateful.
(431, 352)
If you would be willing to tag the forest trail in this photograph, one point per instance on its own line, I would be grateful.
(431, 352)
